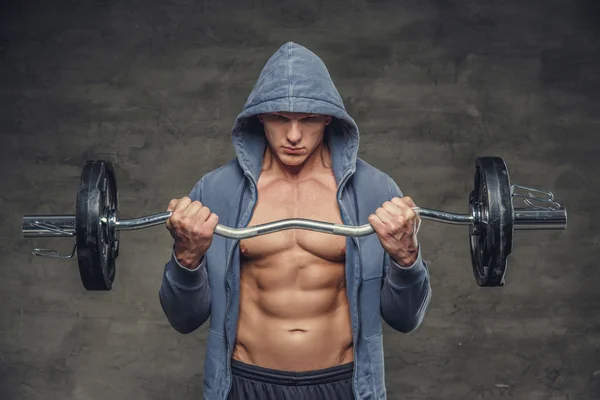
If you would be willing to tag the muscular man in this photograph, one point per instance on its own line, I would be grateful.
(295, 314)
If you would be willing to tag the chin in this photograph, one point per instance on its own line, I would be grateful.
(292, 161)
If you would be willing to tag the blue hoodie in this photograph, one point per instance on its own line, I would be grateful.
(296, 80)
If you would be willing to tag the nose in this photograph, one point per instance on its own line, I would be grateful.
(294, 134)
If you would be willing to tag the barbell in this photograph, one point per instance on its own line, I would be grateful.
(492, 220)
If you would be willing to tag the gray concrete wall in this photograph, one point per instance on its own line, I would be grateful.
(154, 87)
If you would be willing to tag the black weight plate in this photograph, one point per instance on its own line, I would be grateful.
(97, 244)
(491, 235)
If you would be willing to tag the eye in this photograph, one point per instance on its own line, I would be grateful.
(312, 118)
(278, 117)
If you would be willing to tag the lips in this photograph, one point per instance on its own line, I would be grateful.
(292, 150)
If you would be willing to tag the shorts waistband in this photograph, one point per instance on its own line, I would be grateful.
(292, 378)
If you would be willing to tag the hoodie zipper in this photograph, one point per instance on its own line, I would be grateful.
(228, 349)
(228, 304)
(357, 305)
(356, 289)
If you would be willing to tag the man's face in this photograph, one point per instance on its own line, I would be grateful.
(294, 136)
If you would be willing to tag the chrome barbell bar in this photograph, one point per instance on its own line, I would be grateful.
(64, 225)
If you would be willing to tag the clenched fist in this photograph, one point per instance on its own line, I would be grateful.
(192, 226)
(396, 225)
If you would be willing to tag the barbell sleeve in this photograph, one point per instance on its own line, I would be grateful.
(48, 226)
(540, 219)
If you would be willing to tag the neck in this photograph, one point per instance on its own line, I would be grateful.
(319, 160)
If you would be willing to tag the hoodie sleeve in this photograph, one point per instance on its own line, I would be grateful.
(185, 294)
(405, 292)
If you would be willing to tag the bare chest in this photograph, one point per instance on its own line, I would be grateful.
(311, 199)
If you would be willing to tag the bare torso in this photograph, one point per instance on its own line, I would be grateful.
(294, 313)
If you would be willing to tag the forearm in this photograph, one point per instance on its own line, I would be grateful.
(405, 294)
(185, 295)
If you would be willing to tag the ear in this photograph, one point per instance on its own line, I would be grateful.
(260, 118)
(328, 120)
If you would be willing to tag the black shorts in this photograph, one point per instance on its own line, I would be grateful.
(253, 382)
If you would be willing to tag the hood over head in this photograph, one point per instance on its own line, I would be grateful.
(295, 79)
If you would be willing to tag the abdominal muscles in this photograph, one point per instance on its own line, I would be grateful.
(294, 312)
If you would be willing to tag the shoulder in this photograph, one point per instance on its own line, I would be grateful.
(219, 179)
(228, 171)
(368, 177)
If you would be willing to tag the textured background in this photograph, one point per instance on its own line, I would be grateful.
(154, 87)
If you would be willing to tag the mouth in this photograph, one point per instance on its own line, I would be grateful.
(292, 150)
